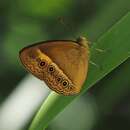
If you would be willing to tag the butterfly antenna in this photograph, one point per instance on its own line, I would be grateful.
(66, 25)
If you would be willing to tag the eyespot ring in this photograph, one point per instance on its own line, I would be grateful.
(51, 69)
(42, 63)
(65, 83)
(59, 79)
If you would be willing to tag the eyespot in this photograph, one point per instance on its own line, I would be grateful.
(59, 79)
(42, 63)
(65, 83)
(51, 69)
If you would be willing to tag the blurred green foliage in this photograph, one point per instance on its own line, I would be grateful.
(26, 22)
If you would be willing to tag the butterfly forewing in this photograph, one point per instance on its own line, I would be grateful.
(62, 65)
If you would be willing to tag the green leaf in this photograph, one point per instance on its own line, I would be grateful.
(114, 88)
(115, 44)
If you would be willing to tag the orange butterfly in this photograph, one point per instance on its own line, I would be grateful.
(62, 64)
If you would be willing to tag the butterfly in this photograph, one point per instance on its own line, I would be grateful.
(61, 64)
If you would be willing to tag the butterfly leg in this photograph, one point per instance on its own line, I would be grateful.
(96, 65)
(100, 50)
(92, 63)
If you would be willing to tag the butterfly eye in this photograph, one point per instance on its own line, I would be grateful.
(51, 69)
(65, 83)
